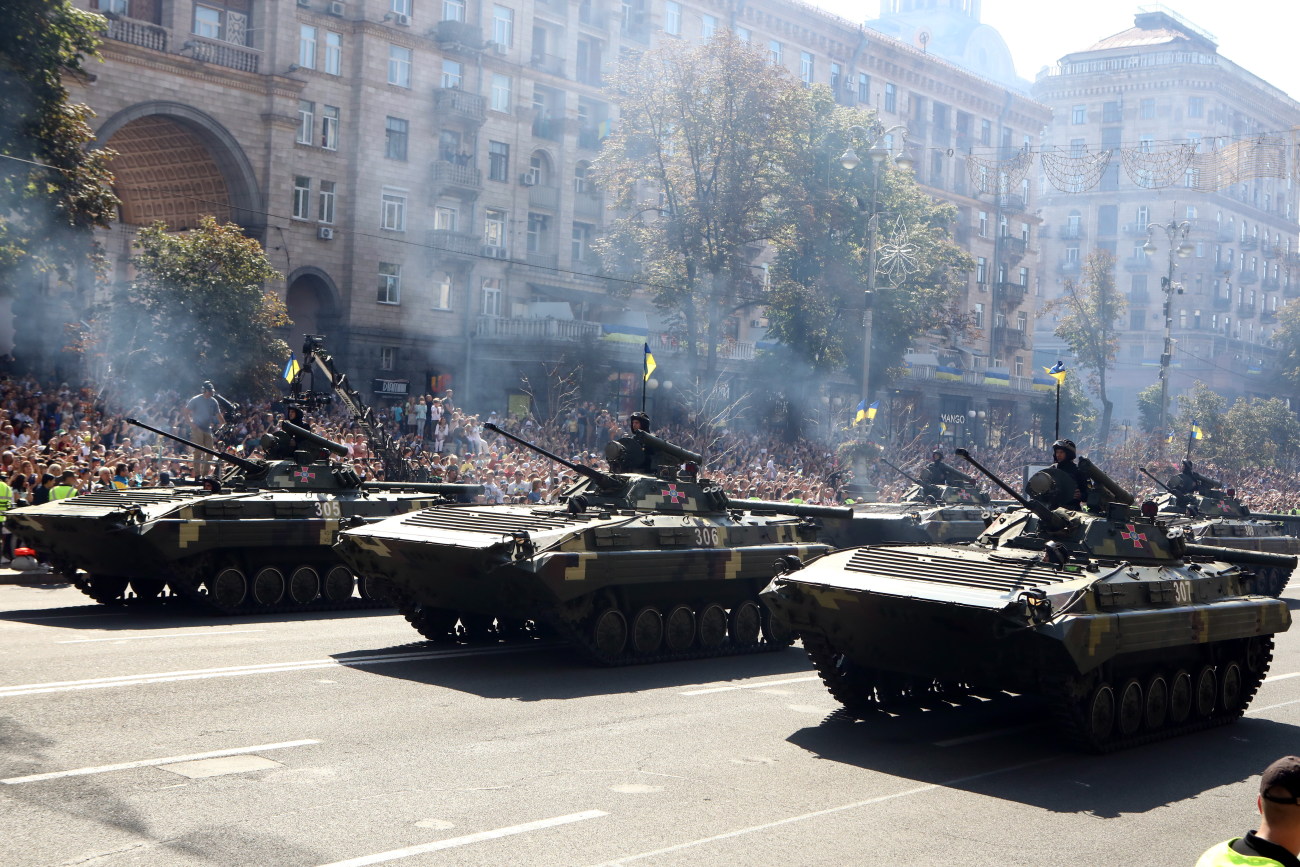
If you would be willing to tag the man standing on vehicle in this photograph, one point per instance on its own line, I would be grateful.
(202, 412)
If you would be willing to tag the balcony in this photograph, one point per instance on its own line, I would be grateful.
(1072, 233)
(1221, 303)
(462, 181)
(1012, 294)
(588, 205)
(543, 260)
(589, 265)
(525, 331)
(1272, 284)
(1267, 317)
(1009, 338)
(590, 138)
(1249, 243)
(1246, 311)
(548, 63)
(728, 350)
(1291, 290)
(1139, 297)
(1012, 248)
(1272, 251)
(1223, 234)
(458, 36)
(1137, 263)
(1069, 266)
(1248, 278)
(549, 128)
(456, 104)
(225, 54)
(1293, 259)
(590, 16)
(445, 241)
(1013, 204)
(544, 197)
(140, 33)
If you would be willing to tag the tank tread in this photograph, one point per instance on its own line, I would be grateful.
(573, 634)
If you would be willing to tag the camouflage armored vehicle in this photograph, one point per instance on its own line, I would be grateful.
(261, 543)
(1131, 632)
(1207, 513)
(646, 563)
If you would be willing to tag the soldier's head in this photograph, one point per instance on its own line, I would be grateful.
(1063, 450)
(1187, 466)
(936, 455)
(212, 484)
(639, 421)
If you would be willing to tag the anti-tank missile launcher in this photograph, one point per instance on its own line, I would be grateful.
(1132, 634)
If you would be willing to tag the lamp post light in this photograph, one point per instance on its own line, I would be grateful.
(1176, 234)
(972, 432)
(880, 150)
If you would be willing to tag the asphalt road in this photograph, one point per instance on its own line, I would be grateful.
(151, 738)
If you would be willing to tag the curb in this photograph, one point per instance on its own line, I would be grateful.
(11, 576)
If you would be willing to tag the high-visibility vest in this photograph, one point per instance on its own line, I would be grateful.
(1223, 855)
(62, 492)
(6, 499)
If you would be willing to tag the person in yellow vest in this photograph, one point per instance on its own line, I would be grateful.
(6, 537)
(66, 487)
(1277, 842)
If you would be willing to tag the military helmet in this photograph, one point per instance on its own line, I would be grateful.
(641, 417)
(1067, 446)
(937, 454)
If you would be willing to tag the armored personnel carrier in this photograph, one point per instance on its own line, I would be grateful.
(1131, 632)
(646, 563)
(1207, 513)
(951, 510)
(260, 541)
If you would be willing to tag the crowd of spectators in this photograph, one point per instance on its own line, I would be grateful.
(47, 429)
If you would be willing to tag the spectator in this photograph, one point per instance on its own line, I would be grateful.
(1277, 842)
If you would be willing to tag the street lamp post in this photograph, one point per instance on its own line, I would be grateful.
(878, 152)
(1176, 233)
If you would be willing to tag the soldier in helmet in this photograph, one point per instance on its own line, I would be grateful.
(1063, 454)
(628, 454)
(936, 472)
(1189, 482)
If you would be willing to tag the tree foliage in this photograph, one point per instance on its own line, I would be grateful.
(1252, 432)
(1148, 406)
(824, 260)
(54, 188)
(1088, 315)
(1287, 339)
(197, 310)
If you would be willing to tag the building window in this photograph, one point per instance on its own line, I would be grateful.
(393, 216)
(1111, 113)
(453, 10)
(864, 87)
(774, 51)
(333, 53)
(329, 127)
(301, 198)
(207, 22)
(708, 27)
(306, 121)
(327, 198)
(986, 132)
(1079, 114)
(806, 67)
(537, 226)
(503, 26)
(400, 7)
(390, 283)
(388, 358)
(1147, 108)
(673, 18)
(307, 47)
(582, 235)
(979, 314)
(1137, 320)
(396, 133)
(1022, 321)
(494, 228)
(745, 35)
(444, 218)
(453, 72)
(1195, 106)
(500, 92)
(981, 270)
(491, 296)
(891, 98)
(498, 161)
(984, 224)
(1024, 277)
(399, 66)
(442, 291)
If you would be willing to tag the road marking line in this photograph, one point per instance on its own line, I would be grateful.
(1282, 677)
(145, 763)
(1272, 706)
(243, 670)
(169, 635)
(468, 839)
(627, 859)
(730, 687)
(984, 736)
(27, 621)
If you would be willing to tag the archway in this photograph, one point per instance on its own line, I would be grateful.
(313, 303)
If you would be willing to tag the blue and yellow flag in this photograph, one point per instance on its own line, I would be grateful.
(291, 368)
(649, 362)
(943, 428)
(871, 410)
(1057, 372)
(1197, 433)
(861, 412)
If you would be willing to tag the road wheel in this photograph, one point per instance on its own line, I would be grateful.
(679, 628)
(435, 624)
(647, 631)
(1231, 687)
(477, 627)
(713, 626)
(1101, 713)
(304, 585)
(609, 633)
(1131, 709)
(107, 589)
(1206, 691)
(776, 632)
(746, 624)
(268, 586)
(1156, 709)
(1180, 697)
(228, 589)
(148, 590)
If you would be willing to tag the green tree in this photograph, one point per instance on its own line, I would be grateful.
(53, 189)
(1251, 433)
(824, 259)
(1148, 404)
(1088, 314)
(1287, 339)
(698, 164)
(197, 310)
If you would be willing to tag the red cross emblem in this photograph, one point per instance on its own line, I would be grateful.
(675, 495)
(1134, 536)
(304, 475)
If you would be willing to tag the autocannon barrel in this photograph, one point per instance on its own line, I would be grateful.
(1099, 476)
(302, 433)
(667, 448)
(447, 490)
(1242, 555)
(799, 510)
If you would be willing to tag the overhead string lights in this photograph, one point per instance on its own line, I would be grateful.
(1076, 171)
(1153, 167)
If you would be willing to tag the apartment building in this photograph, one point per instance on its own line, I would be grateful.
(1162, 99)
(418, 170)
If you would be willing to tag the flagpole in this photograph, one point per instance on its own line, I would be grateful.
(645, 376)
(1058, 408)
(1191, 435)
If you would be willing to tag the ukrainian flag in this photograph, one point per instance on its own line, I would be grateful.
(944, 371)
(649, 361)
(1057, 372)
(291, 368)
(1043, 383)
(1197, 433)
(871, 410)
(861, 411)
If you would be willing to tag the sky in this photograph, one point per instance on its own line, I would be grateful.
(1258, 35)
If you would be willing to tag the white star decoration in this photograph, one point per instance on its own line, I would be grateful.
(898, 255)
